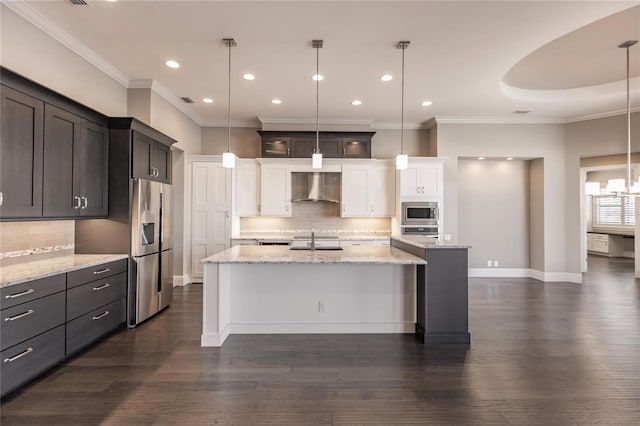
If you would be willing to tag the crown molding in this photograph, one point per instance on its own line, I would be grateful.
(336, 121)
(45, 24)
(397, 126)
(498, 120)
(249, 124)
(600, 115)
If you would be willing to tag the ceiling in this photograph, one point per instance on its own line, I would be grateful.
(474, 60)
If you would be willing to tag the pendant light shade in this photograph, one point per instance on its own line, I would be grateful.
(316, 158)
(229, 158)
(402, 160)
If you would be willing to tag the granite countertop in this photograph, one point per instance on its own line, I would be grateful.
(277, 254)
(21, 272)
(421, 241)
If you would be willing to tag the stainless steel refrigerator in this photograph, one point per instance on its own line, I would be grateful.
(151, 265)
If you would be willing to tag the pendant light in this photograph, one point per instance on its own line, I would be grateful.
(620, 187)
(316, 158)
(402, 159)
(229, 158)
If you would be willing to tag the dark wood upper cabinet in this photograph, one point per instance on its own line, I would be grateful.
(21, 153)
(162, 162)
(54, 154)
(94, 170)
(151, 159)
(76, 165)
(150, 150)
(356, 147)
(61, 184)
(276, 147)
(142, 156)
(295, 144)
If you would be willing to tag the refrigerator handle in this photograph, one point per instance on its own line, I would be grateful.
(161, 218)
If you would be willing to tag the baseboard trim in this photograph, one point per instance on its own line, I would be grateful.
(322, 327)
(499, 272)
(215, 340)
(525, 273)
(181, 280)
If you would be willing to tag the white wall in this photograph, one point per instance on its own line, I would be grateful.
(524, 141)
(493, 211)
(31, 53)
(592, 138)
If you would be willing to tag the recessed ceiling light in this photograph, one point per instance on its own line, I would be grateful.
(480, 158)
(386, 77)
(276, 101)
(356, 102)
(111, 1)
(172, 64)
(318, 77)
(207, 100)
(426, 103)
(248, 76)
(509, 158)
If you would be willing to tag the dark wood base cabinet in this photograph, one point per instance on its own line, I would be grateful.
(47, 320)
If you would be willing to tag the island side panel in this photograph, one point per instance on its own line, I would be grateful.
(357, 298)
(215, 304)
(447, 296)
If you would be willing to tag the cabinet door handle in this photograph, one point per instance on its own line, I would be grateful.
(344, 151)
(20, 355)
(85, 203)
(344, 208)
(76, 202)
(286, 207)
(102, 315)
(102, 287)
(22, 315)
(22, 293)
(418, 189)
(422, 189)
(101, 271)
(1, 198)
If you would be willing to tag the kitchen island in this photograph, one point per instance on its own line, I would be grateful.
(272, 289)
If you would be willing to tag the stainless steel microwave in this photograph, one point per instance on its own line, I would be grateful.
(420, 213)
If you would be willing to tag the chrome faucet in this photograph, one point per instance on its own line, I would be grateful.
(313, 238)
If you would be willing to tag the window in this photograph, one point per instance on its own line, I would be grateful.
(610, 211)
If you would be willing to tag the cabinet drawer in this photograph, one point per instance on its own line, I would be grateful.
(25, 292)
(97, 272)
(90, 296)
(87, 328)
(24, 321)
(24, 361)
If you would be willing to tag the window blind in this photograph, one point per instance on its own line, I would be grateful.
(614, 211)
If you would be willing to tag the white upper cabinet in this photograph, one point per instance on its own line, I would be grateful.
(275, 191)
(368, 191)
(247, 190)
(422, 179)
(355, 191)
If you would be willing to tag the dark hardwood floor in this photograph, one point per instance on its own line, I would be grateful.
(552, 354)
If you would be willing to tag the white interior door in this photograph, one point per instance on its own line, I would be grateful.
(210, 221)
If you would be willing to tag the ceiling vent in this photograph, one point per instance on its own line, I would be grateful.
(187, 100)
(78, 2)
(521, 111)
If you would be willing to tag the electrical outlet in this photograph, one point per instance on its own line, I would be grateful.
(320, 306)
(447, 237)
(495, 263)
(489, 263)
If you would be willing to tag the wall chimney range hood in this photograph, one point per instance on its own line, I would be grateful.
(316, 186)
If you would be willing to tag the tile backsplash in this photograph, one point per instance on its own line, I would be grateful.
(23, 241)
(322, 216)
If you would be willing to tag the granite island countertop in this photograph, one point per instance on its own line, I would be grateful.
(421, 241)
(27, 271)
(383, 255)
(288, 236)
